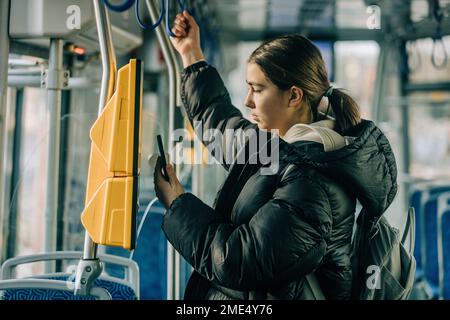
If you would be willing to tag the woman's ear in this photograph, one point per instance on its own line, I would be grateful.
(296, 97)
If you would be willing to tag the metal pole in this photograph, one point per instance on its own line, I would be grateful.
(173, 66)
(89, 268)
(54, 115)
(173, 258)
(380, 83)
(406, 158)
(4, 53)
(107, 53)
(107, 86)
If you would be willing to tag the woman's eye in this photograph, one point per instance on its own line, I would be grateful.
(250, 88)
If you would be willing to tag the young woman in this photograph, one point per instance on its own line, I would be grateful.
(266, 233)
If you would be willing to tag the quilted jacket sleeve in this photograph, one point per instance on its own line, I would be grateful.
(285, 239)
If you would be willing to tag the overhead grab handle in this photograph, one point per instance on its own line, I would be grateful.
(127, 4)
(438, 16)
(443, 64)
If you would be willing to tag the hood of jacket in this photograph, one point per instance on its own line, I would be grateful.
(321, 132)
(362, 162)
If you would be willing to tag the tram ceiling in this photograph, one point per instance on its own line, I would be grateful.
(34, 22)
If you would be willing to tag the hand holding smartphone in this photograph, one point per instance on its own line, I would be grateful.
(162, 155)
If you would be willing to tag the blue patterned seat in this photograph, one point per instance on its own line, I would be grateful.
(117, 291)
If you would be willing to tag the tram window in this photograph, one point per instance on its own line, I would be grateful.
(30, 191)
(420, 63)
(80, 120)
(326, 49)
(357, 71)
(352, 14)
(429, 132)
(419, 10)
(83, 112)
(150, 128)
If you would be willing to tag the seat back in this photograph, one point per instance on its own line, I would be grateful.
(445, 227)
(434, 270)
(59, 286)
(443, 209)
(418, 199)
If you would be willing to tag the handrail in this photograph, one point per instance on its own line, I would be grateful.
(54, 94)
(107, 53)
(89, 266)
(173, 258)
(107, 85)
(4, 53)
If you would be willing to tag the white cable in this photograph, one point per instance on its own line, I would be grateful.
(147, 210)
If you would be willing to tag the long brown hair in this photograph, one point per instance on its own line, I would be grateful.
(294, 60)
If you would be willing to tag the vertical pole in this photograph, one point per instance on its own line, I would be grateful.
(4, 53)
(380, 83)
(89, 267)
(173, 258)
(106, 89)
(55, 65)
(107, 53)
(404, 80)
(13, 145)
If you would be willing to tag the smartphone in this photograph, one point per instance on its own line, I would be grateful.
(162, 155)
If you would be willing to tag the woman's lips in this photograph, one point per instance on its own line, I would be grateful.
(253, 117)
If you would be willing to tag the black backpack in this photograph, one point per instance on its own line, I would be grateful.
(383, 263)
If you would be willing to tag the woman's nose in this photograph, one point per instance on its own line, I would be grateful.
(249, 102)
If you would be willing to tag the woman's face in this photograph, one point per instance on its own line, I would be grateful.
(268, 104)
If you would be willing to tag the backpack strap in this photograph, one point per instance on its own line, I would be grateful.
(410, 227)
(358, 255)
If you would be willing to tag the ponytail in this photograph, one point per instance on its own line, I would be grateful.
(345, 109)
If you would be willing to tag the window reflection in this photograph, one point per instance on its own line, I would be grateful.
(356, 71)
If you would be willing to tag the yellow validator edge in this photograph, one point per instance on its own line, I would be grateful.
(111, 205)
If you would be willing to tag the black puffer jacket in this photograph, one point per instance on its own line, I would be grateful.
(266, 232)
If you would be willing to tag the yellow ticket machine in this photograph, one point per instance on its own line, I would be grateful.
(111, 205)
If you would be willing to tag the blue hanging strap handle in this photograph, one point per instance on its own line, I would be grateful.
(181, 4)
(119, 7)
(127, 4)
(148, 26)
